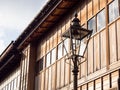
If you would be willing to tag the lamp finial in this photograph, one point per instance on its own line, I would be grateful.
(76, 14)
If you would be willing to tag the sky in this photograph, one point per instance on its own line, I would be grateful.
(15, 16)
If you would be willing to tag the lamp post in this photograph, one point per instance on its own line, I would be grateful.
(78, 45)
(119, 83)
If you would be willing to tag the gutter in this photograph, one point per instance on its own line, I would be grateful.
(36, 22)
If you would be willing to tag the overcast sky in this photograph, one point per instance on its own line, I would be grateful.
(15, 15)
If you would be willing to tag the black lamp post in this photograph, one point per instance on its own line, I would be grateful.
(78, 44)
(119, 83)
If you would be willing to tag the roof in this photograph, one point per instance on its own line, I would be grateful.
(48, 16)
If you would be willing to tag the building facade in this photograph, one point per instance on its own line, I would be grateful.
(37, 60)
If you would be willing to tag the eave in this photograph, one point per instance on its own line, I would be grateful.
(50, 14)
(9, 59)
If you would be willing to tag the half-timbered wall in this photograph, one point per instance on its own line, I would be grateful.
(102, 55)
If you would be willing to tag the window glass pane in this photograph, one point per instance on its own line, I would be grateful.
(66, 46)
(48, 60)
(101, 20)
(41, 62)
(92, 24)
(39, 65)
(113, 10)
(59, 50)
(53, 58)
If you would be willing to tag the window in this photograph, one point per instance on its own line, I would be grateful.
(92, 24)
(113, 10)
(48, 60)
(39, 65)
(97, 22)
(59, 50)
(53, 56)
(101, 20)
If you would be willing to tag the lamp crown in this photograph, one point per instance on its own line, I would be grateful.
(75, 22)
(76, 15)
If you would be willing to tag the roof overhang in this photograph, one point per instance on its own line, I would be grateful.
(50, 14)
(9, 59)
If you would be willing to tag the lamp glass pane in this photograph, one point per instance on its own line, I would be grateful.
(66, 46)
(60, 51)
(82, 48)
(77, 34)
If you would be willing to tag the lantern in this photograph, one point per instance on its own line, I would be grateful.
(79, 38)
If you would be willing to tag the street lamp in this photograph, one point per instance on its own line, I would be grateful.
(119, 83)
(79, 38)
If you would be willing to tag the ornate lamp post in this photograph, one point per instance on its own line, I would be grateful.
(78, 44)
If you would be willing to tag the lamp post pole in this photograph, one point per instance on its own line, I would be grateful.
(119, 83)
(75, 72)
